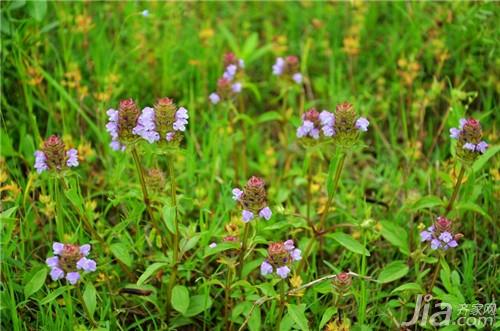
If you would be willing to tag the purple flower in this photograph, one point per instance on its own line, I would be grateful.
(314, 133)
(297, 77)
(326, 118)
(86, 264)
(470, 147)
(236, 87)
(247, 216)
(116, 146)
(72, 155)
(435, 244)
(289, 245)
(237, 193)
(181, 117)
(305, 128)
(446, 237)
(279, 66)
(482, 147)
(230, 72)
(63, 263)
(425, 236)
(212, 245)
(462, 122)
(455, 133)
(328, 131)
(53, 261)
(57, 248)
(169, 136)
(40, 162)
(362, 124)
(266, 213)
(266, 268)
(73, 277)
(112, 128)
(214, 98)
(451, 243)
(56, 273)
(85, 249)
(283, 271)
(296, 255)
(146, 126)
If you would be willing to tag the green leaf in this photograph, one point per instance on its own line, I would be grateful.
(349, 243)
(89, 297)
(269, 116)
(121, 252)
(327, 316)
(180, 299)
(36, 282)
(429, 201)
(393, 271)
(198, 304)
(396, 235)
(409, 287)
(297, 314)
(168, 213)
(471, 206)
(53, 295)
(37, 9)
(483, 159)
(254, 321)
(150, 271)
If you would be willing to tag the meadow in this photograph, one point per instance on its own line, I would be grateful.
(249, 165)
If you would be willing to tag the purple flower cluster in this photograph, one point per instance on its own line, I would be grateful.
(440, 235)
(469, 135)
(54, 156)
(280, 257)
(112, 128)
(69, 260)
(147, 125)
(228, 86)
(253, 200)
(288, 67)
(315, 124)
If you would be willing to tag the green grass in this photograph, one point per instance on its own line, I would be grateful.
(65, 64)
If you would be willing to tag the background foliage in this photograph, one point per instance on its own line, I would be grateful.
(413, 69)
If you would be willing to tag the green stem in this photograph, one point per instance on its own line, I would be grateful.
(227, 300)
(306, 253)
(59, 210)
(175, 258)
(241, 258)
(455, 190)
(338, 172)
(282, 304)
(435, 275)
(145, 196)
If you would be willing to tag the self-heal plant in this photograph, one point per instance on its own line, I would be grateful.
(288, 69)
(229, 85)
(226, 91)
(280, 256)
(122, 123)
(54, 156)
(68, 261)
(253, 200)
(440, 235)
(164, 123)
(469, 139)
